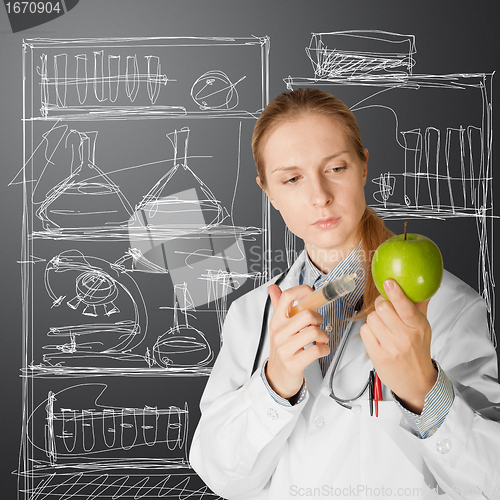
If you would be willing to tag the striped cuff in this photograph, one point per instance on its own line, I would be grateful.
(294, 400)
(437, 404)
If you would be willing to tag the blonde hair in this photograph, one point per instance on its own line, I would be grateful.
(296, 104)
(373, 233)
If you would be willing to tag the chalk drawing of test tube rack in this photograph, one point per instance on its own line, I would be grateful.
(107, 83)
(119, 435)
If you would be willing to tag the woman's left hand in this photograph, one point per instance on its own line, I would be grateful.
(397, 337)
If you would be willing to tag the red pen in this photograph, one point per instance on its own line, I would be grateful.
(377, 393)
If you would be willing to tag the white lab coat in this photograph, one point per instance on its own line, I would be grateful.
(247, 445)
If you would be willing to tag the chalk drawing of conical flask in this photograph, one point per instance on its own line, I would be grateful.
(180, 198)
(87, 198)
(179, 206)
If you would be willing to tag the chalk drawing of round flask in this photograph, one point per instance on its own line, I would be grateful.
(182, 345)
(87, 198)
(214, 90)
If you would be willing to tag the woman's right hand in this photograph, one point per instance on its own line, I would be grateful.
(288, 338)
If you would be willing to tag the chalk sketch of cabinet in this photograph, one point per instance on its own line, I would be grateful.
(139, 229)
(429, 137)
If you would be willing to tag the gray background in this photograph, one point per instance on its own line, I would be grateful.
(451, 36)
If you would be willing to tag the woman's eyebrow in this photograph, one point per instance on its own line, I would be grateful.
(295, 167)
(340, 153)
(284, 169)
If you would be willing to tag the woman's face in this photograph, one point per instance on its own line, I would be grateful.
(316, 181)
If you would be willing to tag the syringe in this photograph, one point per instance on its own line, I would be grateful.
(331, 291)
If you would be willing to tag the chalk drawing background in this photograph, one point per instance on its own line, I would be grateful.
(88, 375)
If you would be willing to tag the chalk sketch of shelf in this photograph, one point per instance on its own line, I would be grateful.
(440, 166)
(95, 289)
(130, 251)
(127, 485)
(92, 206)
(179, 229)
(93, 450)
(118, 78)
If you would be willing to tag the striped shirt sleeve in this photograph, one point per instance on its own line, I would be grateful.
(437, 404)
(294, 400)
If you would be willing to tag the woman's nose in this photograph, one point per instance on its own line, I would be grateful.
(321, 194)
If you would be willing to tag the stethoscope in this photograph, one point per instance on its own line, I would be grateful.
(345, 402)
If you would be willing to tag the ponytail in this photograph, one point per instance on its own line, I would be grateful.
(373, 233)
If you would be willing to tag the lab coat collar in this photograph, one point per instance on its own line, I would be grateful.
(292, 277)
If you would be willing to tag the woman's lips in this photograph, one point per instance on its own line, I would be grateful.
(326, 223)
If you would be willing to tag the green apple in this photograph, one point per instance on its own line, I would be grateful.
(413, 261)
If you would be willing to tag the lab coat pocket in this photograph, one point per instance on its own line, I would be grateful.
(386, 439)
(388, 410)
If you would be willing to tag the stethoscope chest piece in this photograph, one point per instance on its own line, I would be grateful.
(357, 409)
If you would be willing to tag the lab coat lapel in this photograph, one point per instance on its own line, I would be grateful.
(292, 278)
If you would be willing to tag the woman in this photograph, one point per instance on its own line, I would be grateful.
(276, 433)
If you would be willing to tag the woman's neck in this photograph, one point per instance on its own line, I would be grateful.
(327, 259)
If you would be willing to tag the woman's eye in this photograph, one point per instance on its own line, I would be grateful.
(337, 169)
(292, 180)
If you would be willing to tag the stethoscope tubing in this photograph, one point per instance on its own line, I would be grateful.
(336, 361)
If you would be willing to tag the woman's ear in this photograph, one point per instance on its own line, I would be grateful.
(261, 185)
(365, 166)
